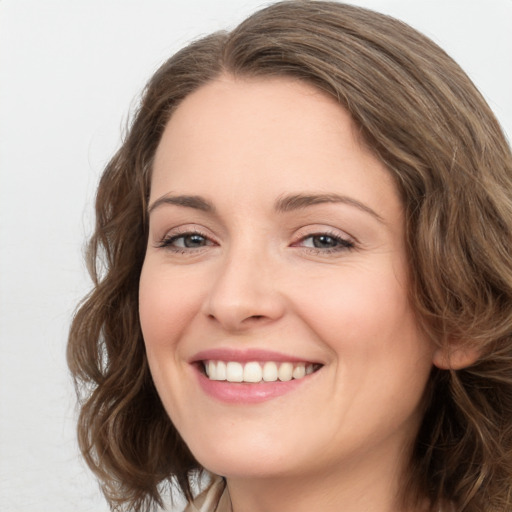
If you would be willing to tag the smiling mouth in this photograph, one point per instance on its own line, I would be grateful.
(257, 371)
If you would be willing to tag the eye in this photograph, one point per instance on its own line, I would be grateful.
(321, 241)
(185, 241)
(325, 242)
(192, 241)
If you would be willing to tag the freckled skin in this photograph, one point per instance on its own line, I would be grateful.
(261, 279)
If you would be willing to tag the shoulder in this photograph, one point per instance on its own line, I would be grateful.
(214, 498)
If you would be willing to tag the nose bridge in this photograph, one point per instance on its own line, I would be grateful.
(246, 288)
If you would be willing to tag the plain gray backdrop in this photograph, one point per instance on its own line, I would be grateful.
(69, 73)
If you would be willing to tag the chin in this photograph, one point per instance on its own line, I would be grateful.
(254, 458)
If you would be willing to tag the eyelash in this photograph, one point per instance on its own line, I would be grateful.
(167, 241)
(343, 244)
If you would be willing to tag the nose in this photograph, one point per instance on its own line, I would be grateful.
(245, 293)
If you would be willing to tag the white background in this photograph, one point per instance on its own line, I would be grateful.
(69, 72)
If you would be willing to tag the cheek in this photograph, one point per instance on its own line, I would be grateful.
(359, 302)
(167, 305)
(367, 322)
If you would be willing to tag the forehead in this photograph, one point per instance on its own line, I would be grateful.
(257, 111)
(273, 135)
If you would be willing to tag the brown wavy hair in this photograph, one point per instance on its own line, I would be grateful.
(421, 115)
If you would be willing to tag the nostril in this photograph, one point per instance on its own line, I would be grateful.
(254, 318)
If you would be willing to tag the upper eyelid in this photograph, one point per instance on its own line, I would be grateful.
(317, 229)
(181, 231)
(297, 233)
(188, 229)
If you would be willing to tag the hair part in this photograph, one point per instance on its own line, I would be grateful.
(424, 119)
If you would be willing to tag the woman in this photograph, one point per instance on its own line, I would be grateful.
(307, 287)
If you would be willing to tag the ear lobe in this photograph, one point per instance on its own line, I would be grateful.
(455, 356)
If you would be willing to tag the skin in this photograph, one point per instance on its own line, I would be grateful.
(256, 280)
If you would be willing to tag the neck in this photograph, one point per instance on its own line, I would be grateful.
(359, 486)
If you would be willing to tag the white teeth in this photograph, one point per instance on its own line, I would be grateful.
(254, 372)
(221, 370)
(286, 371)
(270, 372)
(234, 372)
(299, 371)
(211, 370)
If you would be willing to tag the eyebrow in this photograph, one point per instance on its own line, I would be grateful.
(300, 201)
(283, 204)
(196, 202)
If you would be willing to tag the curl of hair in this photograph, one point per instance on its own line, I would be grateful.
(420, 115)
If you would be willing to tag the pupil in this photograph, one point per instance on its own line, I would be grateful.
(193, 241)
(324, 241)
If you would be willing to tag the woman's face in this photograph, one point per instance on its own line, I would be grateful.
(276, 251)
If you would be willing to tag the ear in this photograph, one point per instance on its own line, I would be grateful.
(455, 356)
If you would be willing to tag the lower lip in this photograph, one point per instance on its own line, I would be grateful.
(247, 393)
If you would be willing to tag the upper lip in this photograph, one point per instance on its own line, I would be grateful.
(246, 355)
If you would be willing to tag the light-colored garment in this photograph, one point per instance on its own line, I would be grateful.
(213, 499)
